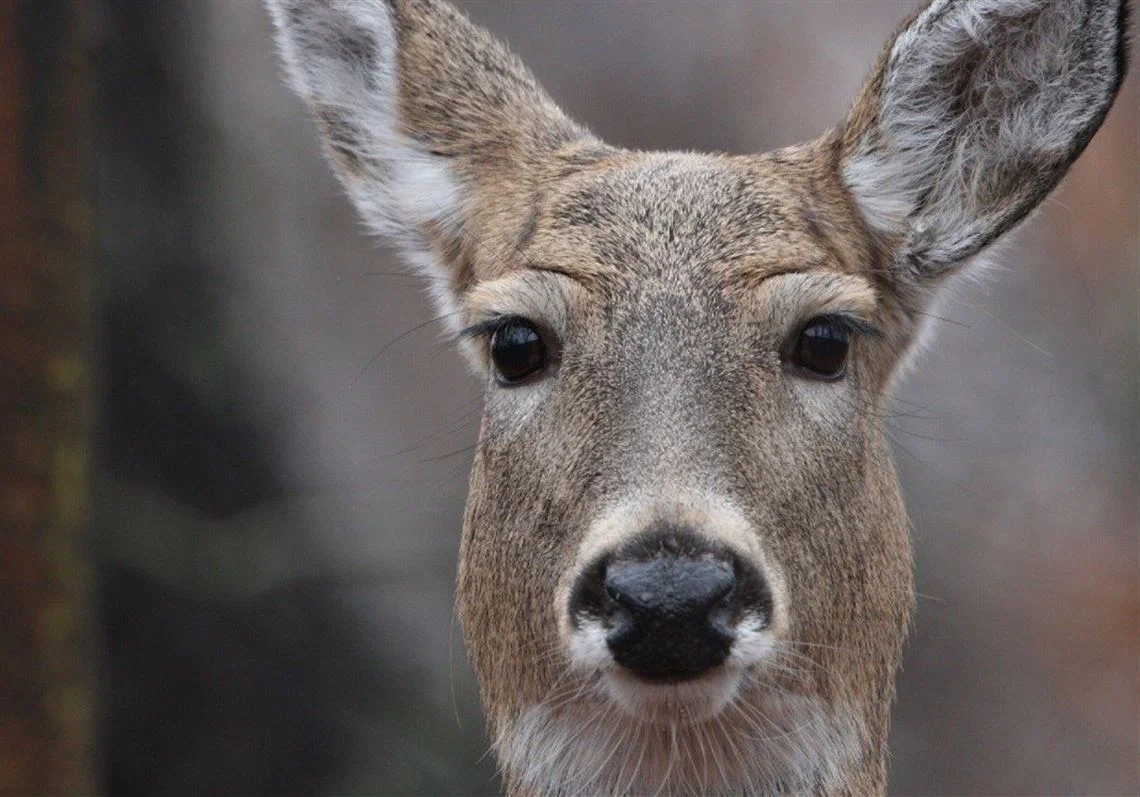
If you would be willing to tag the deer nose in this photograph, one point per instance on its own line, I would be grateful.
(669, 602)
(670, 618)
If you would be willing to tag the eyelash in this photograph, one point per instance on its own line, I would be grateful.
(853, 324)
(482, 328)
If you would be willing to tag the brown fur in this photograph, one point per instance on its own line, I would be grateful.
(668, 286)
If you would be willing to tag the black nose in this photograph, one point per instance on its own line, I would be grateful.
(669, 603)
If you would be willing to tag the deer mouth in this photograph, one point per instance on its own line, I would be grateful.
(675, 694)
(659, 701)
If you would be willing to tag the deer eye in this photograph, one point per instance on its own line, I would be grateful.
(517, 350)
(820, 351)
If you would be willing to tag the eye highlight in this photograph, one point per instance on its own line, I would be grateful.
(518, 351)
(821, 348)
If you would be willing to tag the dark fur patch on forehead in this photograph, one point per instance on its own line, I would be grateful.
(530, 226)
(763, 215)
(585, 154)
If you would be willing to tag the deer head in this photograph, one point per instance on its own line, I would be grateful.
(685, 564)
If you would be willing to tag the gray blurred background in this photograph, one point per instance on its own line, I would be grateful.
(284, 436)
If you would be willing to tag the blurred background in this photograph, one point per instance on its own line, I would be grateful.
(282, 436)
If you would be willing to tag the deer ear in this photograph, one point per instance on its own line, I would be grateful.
(974, 113)
(424, 117)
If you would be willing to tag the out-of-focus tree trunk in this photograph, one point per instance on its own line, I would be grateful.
(46, 676)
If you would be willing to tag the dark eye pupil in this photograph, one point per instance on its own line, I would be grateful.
(822, 348)
(517, 350)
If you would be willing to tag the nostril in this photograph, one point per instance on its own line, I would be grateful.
(727, 591)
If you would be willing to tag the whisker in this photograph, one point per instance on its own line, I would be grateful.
(718, 760)
(615, 731)
(640, 757)
(673, 753)
(396, 340)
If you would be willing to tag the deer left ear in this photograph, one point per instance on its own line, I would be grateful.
(427, 120)
(974, 113)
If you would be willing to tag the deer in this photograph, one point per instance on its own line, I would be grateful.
(685, 564)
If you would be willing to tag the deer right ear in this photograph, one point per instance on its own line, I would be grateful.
(425, 118)
(974, 113)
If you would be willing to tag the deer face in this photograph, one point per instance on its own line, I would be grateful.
(682, 512)
(685, 564)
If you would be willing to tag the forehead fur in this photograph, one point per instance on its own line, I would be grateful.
(628, 216)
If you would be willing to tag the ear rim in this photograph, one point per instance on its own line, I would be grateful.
(892, 216)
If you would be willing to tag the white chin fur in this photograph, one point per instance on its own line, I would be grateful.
(761, 741)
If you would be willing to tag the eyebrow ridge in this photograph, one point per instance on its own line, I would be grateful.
(587, 281)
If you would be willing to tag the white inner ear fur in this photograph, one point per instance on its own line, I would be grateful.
(1034, 86)
(341, 58)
